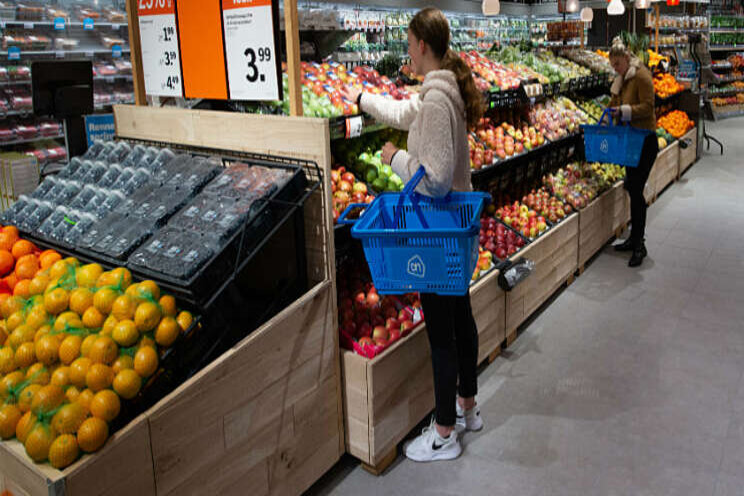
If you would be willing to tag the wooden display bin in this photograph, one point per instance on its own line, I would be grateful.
(667, 167)
(387, 396)
(266, 416)
(601, 220)
(687, 156)
(555, 255)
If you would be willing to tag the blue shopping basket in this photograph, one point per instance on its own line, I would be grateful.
(414, 243)
(621, 144)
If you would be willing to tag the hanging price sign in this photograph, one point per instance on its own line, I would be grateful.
(161, 59)
(253, 61)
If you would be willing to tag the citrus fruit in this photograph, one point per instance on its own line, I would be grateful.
(72, 394)
(125, 333)
(78, 371)
(146, 341)
(149, 290)
(56, 301)
(38, 442)
(167, 332)
(7, 262)
(133, 293)
(123, 362)
(92, 318)
(38, 285)
(9, 383)
(42, 331)
(22, 334)
(84, 398)
(87, 344)
(168, 305)
(105, 405)
(8, 238)
(60, 269)
(69, 349)
(99, 377)
(27, 396)
(67, 320)
(47, 349)
(80, 300)
(11, 305)
(68, 418)
(47, 399)
(124, 307)
(37, 317)
(15, 319)
(11, 280)
(48, 258)
(147, 316)
(26, 267)
(184, 320)
(61, 377)
(24, 355)
(87, 275)
(127, 384)
(7, 360)
(92, 434)
(24, 426)
(104, 350)
(63, 451)
(104, 300)
(9, 417)
(22, 288)
(122, 277)
(38, 374)
(22, 247)
(145, 361)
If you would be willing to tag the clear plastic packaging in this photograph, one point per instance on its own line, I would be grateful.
(113, 199)
(199, 172)
(84, 197)
(140, 178)
(119, 153)
(45, 187)
(71, 168)
(110, 177)
(123, 179)
(95, 173)
(95, 203)
(12, 215)
(161, 253)
(95, 150)
(127, 240)
(68, 223)
(162, 159)
(114, 224)
(134, 156)
(52, 222)
(56, 191)
(35, 214)
(83, 169)
(147, 159)
(70, 191)
(84, 223)
(108, 149)
(161, 204)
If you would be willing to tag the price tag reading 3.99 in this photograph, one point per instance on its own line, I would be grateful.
(160, 51)
(249, 46)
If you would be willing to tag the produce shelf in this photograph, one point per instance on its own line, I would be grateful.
(57, 53)
(50, 24)
(726, 48)
(31, 140)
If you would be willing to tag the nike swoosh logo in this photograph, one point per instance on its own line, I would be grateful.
(435, 447)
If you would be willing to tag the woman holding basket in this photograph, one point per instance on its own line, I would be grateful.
(437, 122)
(633, 100)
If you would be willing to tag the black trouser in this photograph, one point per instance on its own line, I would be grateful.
(454, 351)
(635, 181)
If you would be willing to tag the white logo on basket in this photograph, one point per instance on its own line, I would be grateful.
(604, 147)
(416, 267)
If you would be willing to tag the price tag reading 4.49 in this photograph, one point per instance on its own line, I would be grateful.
(161, 62)
(250, 49)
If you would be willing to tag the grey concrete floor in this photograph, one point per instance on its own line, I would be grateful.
(630, 382)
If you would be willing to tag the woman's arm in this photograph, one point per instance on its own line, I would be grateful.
(436, 154)
(646, 99)
(393, 113)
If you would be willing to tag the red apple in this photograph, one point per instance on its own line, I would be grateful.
(392, 324)
(380, 333)
(394, 336)
(360, 298)
(366, 341)
(348, 177)
(406, 327)
(372, 299)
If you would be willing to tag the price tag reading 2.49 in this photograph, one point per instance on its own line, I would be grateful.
(160, 52)
(250, 49)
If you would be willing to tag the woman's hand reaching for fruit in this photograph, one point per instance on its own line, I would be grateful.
(388, 151)
(351, 93)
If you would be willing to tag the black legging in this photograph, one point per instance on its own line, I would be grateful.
(635, 181)
(453, 337)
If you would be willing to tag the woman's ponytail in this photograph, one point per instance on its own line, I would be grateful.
(474, 106)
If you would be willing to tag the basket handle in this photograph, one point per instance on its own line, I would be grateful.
(408, 190)
(342, 218)
(607, 111)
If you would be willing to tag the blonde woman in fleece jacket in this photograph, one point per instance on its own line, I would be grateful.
(437, 122)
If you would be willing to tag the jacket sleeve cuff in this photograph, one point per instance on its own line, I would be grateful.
(400, 165)
(626, 113)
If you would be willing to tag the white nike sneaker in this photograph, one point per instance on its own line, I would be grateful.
(468, 421)
(430, 446)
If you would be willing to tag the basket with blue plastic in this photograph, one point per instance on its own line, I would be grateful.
(414, 243)
(614, 144)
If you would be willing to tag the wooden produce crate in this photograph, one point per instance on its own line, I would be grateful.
(620, 207)
(667, 165)
(387, 396)
(555, 255)
(599, 221)
(687, 156)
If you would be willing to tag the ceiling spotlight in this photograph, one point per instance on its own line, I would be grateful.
(616, 7)
(587, 14)
(491, 7)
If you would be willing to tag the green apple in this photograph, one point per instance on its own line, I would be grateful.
(379, 184)
(371, 175)
(386, 171)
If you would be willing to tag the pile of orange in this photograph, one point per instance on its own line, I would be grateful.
(655, 58)
(72, 348)
(665, 85)
(20, 260)
(676, 122)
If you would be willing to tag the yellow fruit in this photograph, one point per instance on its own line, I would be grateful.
(41, 332)
(38, 285)
(147, 341)
(145, 361)
(67, 320)
(24, 355)
(104, 350)
(167, 332)
(92, 434)
(148, 290)
(87, 275)
(184, 320)
(72, 394)
(133, 293)
(105, 405)
(99, 377)
(69, 349)
(122, 363)
(21, 334)
(104, 299)
(68, 418)
(108, 326)
(11, 305)
(37, 317)
(93, 318)
(8, 384)
(60, 269)
(61, 377)
(87, 344)
(23, 427)
(38, 442)
(47, 349)
(46, 399)
(124, 307)
(38, 374)
(16, 319)
(127, 384)
(122, 277)
(80, 300)
(56, 301)
(27, 396)
(168, 305)
(125, 333)
(7, 360)
(63, 451)
(147, 316)
(9, 417)
(78, 371)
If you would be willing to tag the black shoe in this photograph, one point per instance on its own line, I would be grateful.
(638, 255)
(626, 246)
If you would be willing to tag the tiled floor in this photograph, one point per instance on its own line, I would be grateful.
(630, 382)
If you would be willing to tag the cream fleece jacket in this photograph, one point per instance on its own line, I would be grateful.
(437, 134)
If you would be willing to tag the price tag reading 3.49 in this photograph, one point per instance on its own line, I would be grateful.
(252, 61)
(160, 52)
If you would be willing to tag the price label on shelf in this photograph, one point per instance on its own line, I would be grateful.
(252, 58)
(28, 25)
(14, 53)
(161, 58)
(59, 23)
(354, 126)
(88, 24)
